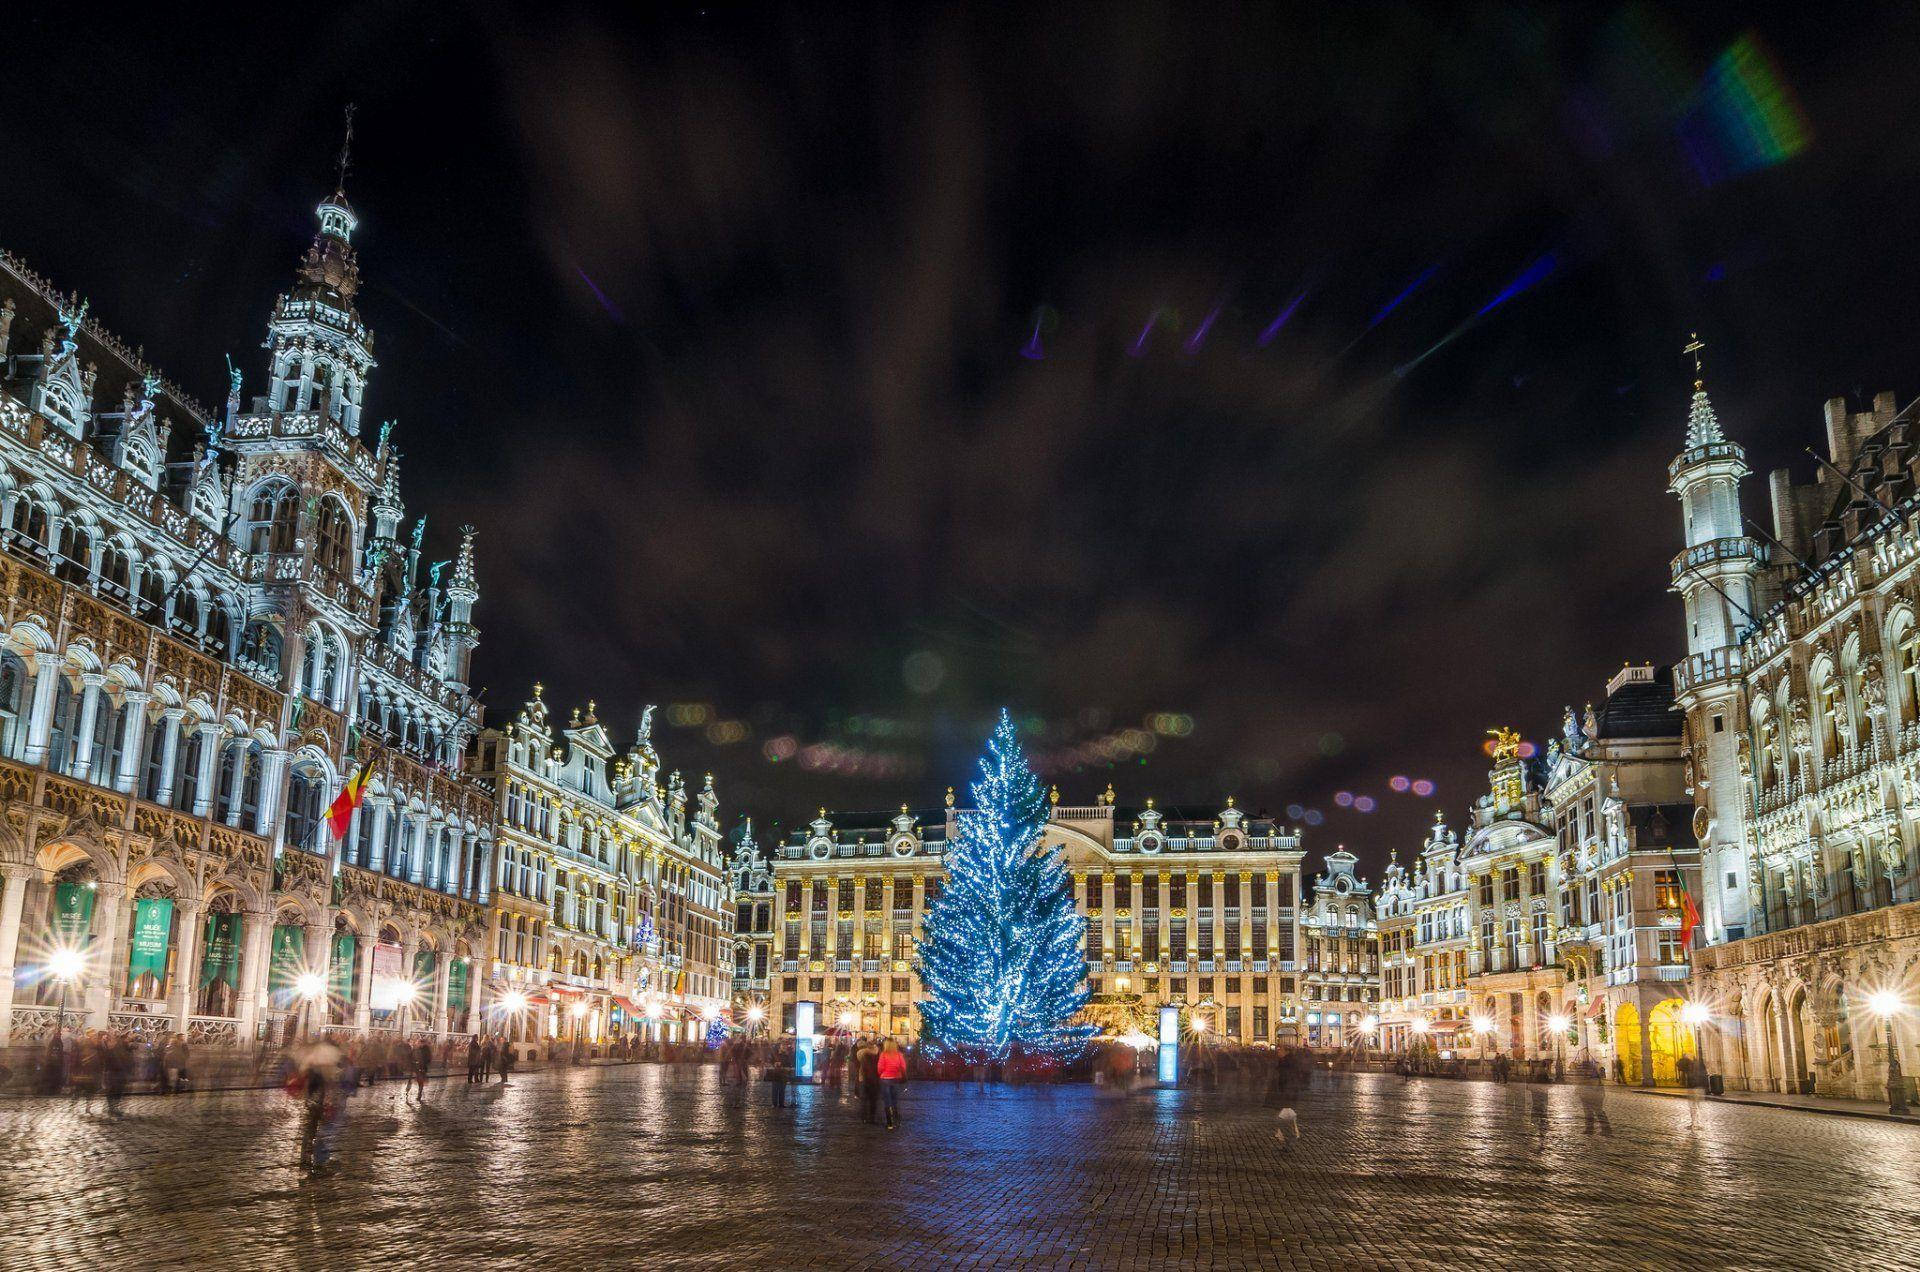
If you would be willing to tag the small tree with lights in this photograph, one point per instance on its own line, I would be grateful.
(1000, 949)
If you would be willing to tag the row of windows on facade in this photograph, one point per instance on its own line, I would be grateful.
(163, 760)
(1093, 895)
(538, 815)
(525, 873)
(1840, 697)
(147, 591)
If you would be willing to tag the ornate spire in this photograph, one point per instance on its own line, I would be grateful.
(463, 580)
(1703, 426)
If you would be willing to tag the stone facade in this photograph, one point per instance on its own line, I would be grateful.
(1200, 913)
(1340, 958)
(1802, 695)
(208, 621)
(610, 918)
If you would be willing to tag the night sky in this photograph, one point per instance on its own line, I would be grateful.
(1303, 387)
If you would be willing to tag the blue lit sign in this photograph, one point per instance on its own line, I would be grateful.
(1170, 1045)
(804, 1014)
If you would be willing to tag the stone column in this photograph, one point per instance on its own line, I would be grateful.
(483, 850)
(81, 758)
(1648, 997)
(132, 731)
(317, 954)
(106, 973)
(363, 992)
(256, 938)
(169, 754)
(275, 774)
(203, 792)
(13, 895)
(377, 853)
(404, 1014)
(46, 683)
(186, 964)
(441, 966)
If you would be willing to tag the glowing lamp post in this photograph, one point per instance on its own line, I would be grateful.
(65, 966)
(1482, 1030)
(1886, 1004)
(1695, 1015)
(308, 987)
(755, 1014)
(403, 996)
(1370, 1028)
(1559, 1022)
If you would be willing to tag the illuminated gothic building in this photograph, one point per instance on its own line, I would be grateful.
(1340, 956)
(1625, 860)
(210, 619)
(754, 904)
(1563, 900)
(1801, 688)
(1199, 913)
(611, 914)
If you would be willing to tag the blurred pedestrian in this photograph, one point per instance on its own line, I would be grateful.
(422, 1061)
(476, 1057)
(1593, 1095)
(892, 1070)
(173, 1063)
(506, 1061)
(116, 1058)
(779, 1069)
(867, 1064)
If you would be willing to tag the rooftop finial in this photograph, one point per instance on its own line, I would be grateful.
(346, 156)
(1703, 426)
(1694, 345)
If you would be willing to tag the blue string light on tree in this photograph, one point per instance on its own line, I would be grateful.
(1000, 950)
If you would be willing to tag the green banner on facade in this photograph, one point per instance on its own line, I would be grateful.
(289, 957)
(72, 914)
(220, 956)
(152, 933)
(457, 985)
(424, 965)
(340, 971)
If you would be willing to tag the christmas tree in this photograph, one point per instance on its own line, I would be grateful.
(1000, 950)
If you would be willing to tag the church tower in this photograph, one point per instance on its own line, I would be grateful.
(1714, 575)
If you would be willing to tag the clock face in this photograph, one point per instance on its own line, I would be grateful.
(1701, 822)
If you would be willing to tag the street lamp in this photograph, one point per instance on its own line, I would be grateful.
(1559, 1022)
(308, 987)
(403, 996)
(65, 965)
(1695, 1014)
(1886, 1004)
(756, 1014)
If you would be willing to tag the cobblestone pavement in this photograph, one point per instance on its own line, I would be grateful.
(635, 1167)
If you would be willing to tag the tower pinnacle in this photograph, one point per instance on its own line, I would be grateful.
(1703, 426)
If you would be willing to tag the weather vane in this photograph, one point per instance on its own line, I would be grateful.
(1694, 345)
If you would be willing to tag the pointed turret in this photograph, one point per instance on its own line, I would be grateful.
(462, 592)
(1715, 574)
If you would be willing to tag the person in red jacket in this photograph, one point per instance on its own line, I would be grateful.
(893, 1075)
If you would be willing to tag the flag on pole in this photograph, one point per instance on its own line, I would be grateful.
(340, 815)
(1689, 915)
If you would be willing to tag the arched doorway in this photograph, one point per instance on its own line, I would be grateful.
(1799, 1035)
(1626, 1044)
(1767, 1068)
(1670, 1039)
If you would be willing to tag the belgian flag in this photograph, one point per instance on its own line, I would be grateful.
(340, 815)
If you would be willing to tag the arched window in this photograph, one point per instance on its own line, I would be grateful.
(14, 697)
(116, 571)
(1907, 651)
(186, 768)
(238, 787)
(156, 752)
(273, 521)
(186, 611)
(219, 629)
(363, 835)
(66, 723)
(153, 592)
(306, 805)
(333, 537)
(74, 555)
(260, 649)
(110, 729)
(29, 524)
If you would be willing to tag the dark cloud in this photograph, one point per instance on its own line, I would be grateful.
(713, 321)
